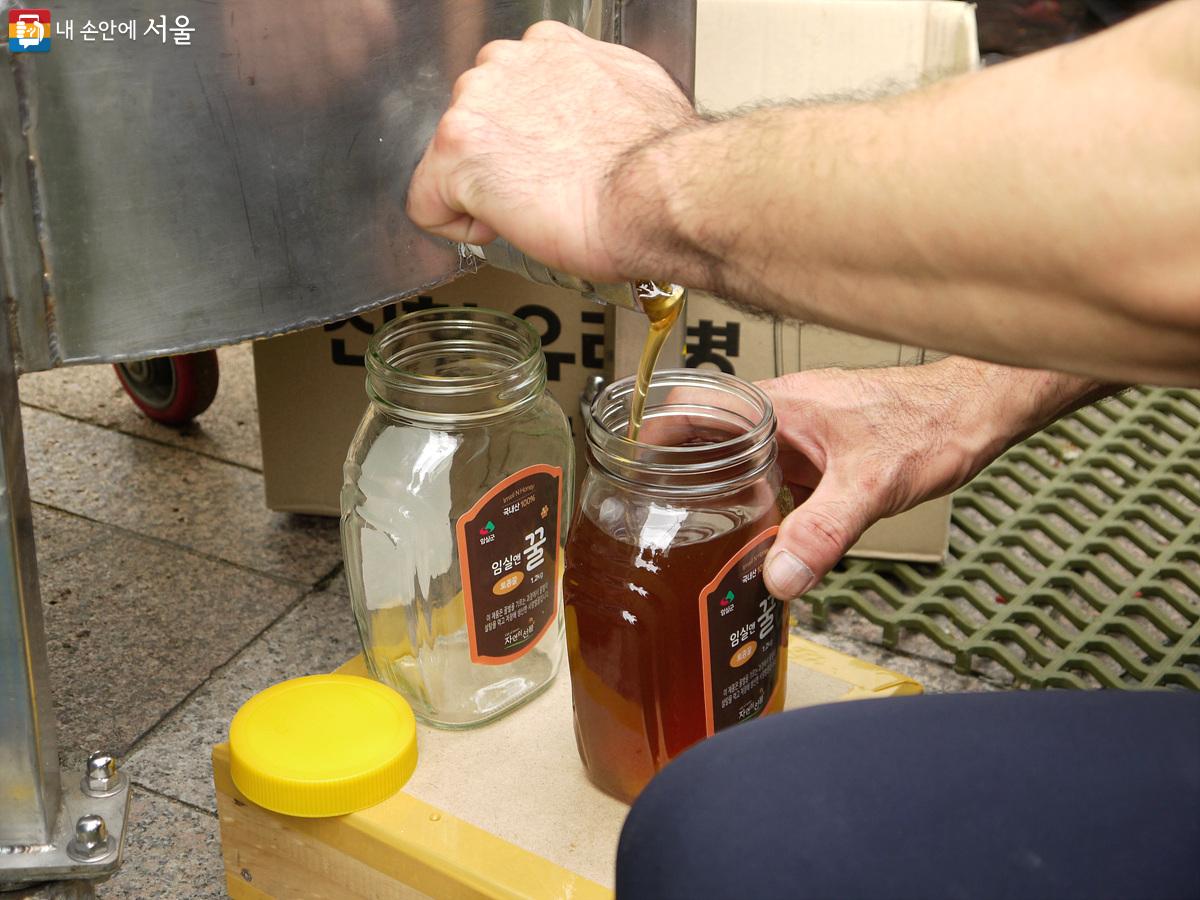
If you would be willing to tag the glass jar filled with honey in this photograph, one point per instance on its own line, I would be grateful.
(455, 508)
(671, 632)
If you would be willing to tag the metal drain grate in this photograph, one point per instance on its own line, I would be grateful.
(1073, 558)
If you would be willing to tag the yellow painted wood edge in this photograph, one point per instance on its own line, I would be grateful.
(238, 889)
(867, 679)
(402, 830)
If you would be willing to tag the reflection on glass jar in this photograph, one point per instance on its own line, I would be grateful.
(671, 633)
(455, 508)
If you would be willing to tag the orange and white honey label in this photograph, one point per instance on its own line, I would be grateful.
(508, 549)
(742, 634)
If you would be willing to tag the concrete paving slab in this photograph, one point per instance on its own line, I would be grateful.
(171, 852)
(852, 625)
(317, 636)
(134, 626)
(187, 499)
(913, 645)
(934, 676)
(58, 534)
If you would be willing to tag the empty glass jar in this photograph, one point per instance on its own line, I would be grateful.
(455, 508)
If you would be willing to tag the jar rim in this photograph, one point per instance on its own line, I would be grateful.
(411, 364)
(481, 319)
(729, 404)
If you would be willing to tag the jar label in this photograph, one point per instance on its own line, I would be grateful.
(508, 551)
(742, 632)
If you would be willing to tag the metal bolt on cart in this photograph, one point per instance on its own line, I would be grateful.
(164, 197)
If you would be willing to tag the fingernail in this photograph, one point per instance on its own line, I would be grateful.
(789, 576)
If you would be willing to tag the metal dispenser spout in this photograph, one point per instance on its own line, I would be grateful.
(627, 294)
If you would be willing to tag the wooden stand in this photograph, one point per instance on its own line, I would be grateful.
(503, 811)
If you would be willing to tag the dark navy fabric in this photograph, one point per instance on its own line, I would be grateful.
(1022, 795)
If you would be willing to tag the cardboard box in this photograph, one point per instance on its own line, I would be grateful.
(747, 51)
(311, 384)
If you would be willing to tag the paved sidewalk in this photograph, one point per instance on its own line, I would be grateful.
(172, 594)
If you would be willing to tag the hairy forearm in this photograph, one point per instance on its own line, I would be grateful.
(964, 413)
(1044, 213)
(980, 410)
(1016, 402)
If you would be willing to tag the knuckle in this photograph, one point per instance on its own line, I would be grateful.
(546, 30)
(492, 51)
(828, 528)
(455, 131)
(462, 84)
(794, 391)
(781, 392)
(784, 384)
(414, 207)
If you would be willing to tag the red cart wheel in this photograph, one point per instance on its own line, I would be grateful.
(172, 389)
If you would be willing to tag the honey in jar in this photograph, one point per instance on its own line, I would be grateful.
(671, 632)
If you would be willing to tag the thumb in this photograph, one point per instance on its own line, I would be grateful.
(815, 535)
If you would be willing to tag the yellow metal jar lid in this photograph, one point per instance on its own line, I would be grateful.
(323, 745)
